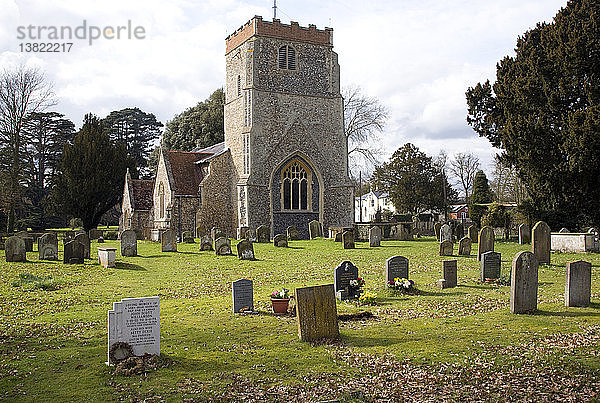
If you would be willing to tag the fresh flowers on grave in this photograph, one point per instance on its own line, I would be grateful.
(368, 298)
(402, 285)
(281, 294)
(357, 285)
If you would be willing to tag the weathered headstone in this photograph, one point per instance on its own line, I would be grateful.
(396, 267)
(74, 252)
(338, 237)
(490, 265)
(280, 240)
(564, 230)
(486, 241)
(348, 239)
(48, 246)
(83, 239)
(464, 246)
(242, 293)
(437, 228)
(445, 233)
(107, 256)
(241, 232)
(343, 274)
(450, 273)
(245, 250)
(263, 234)
(524, 283)
(134, 322)
(578, 284)
(524, 234)
(216, 232)
(128, 243)
(540, 242)
(292, 233)
(96, 233)
(222, 246)
(374, 236)
(459, 231)
(473, 233)
(188, 237)
(100, 240)
(206, 243)
(446, 248)
(251, 235)
(316, 313)
(315, 229)
(596, 242)
(14, 249)
(28, 243)
(168, 240)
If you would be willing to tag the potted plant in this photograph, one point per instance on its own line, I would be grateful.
(280, 301)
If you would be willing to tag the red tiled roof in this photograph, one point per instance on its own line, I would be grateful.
(187, 175)
(142, 193)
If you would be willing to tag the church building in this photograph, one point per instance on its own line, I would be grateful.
(284, 160)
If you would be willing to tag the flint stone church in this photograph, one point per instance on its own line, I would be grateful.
(284, 160)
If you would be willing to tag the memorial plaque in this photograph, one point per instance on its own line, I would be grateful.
(396, 267)
(242, 292)
(490, 265)
(245, 250)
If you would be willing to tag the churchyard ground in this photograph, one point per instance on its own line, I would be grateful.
(457, 343)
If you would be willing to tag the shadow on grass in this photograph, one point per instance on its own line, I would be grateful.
(296, 247)
(129, 266)
(480, 287)
(440, 294)
(569, 314)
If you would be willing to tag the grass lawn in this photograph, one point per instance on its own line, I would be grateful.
(457, 344)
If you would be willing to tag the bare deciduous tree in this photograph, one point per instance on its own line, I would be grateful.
(506, 184)
(463, 167)
(22, 91)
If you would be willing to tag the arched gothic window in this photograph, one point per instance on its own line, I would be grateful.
(295, 186)
(287, 58)
(161, 200)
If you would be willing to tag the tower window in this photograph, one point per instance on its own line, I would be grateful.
(246, 152)
(287, 58)
(247, 108)
(294, 186)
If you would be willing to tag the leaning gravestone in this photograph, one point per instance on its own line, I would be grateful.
(128, 243)
(206, 243)
(450, 272)
(14, 249)
(464, 246)
(85, 241)
(315, 229)
(486, 241)
(524, 234)
(48, 246)
(168, 240)
(245, 250)
(280, 240)
(242, 293)
(222, 246)
(473, 233)
(578, 284)
(133, 328)
(374, 237)
(437, 228)
(343, 274)
(445, 233)
(490, 265)
(316, 313)
(74, 252)
(564, 230)
(540, 242)
(524, 283)
(263, 234)
(348, 239)
(396, 267)
(446, 248)
(188, 237)
(292, 233)
(459, 231)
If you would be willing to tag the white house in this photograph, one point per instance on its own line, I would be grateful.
(369, 203)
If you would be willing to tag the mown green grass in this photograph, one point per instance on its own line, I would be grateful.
(53, 343)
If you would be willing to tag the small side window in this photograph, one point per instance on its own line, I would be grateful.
(287, 58)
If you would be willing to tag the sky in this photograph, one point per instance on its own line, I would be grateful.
(418, 57)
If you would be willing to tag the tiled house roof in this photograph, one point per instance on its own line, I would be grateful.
(142, 194)
(187, 175)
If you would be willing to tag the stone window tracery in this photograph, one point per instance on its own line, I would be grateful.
(295, 186)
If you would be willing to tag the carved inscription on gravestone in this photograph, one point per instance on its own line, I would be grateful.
(242, 293)
(396, 267)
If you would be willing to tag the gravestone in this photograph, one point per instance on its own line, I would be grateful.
(68, 236)
(490, 265)
(128, 243)
(348, 239)
(464, 246)
(374, 237)
(596, 242)
(48, 247)
(263, 234)
(245, 250)
(222, 246)
(450, 273)
(28, 243)
(459, 231)
(280, 240)
(100, 240)
(188, 237)
(135, 321)
(524, 283)
(524, 234)
(396, 267)
(14, 249)
(74, 252)
(446, 248)
(241, 232)
(343, 274)
(107, 257)
(95, 233)
(316, 313)
(338, 237)
(445, 233)
(168, 240)
(578, 284)
(242, 293)
(292, 233)
(216, 232)
(315, 229)
(206, 243)
(473, 233)
(83, 239)
(563, 230)
(540, 242)
(486, 241)
(251, 235)
(437, 228)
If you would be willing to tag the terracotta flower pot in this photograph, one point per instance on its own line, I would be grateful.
(280, 305)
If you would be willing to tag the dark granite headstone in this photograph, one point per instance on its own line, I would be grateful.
(74, 252)
(343, 274)
(348, 239)
(490, 265)
(242, 293)
(396, 267)
(245, 250)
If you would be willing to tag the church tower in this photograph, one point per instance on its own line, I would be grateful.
(284, 127)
